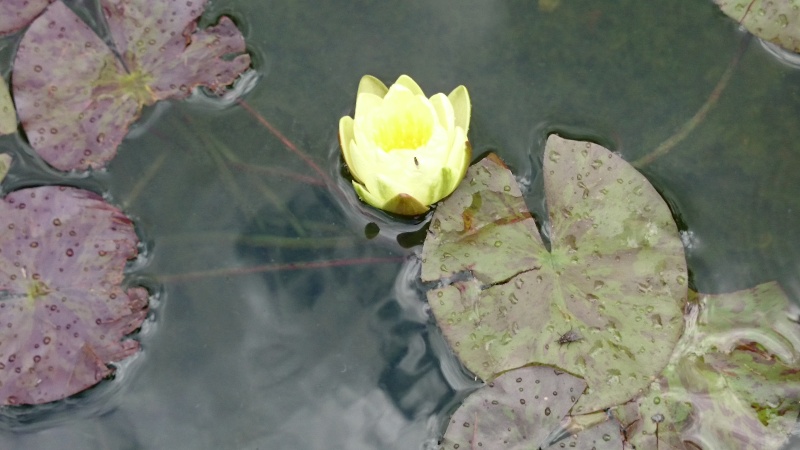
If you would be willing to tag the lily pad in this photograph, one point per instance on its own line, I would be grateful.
(522, 408)
(776, 21)
(8, 118)
(734, 381)
(604, 302)
(5, 165)
(64, 314)
(16, 14)
(76, 99)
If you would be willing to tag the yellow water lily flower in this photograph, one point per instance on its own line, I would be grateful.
(404, 150)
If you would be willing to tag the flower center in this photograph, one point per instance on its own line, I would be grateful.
(408, 125)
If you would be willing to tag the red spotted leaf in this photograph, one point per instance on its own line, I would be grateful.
(63, 314)
(16, 14)
(76, 98)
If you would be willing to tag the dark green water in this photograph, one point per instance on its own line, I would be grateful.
(345, 357)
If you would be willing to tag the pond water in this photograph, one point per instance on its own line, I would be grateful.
(248, 347)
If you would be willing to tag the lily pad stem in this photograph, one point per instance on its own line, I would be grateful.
(700, 115)
(232, 271)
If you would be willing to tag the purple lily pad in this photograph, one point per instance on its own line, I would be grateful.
(63, 314)
(76, 99)
(8, 118)
(521, 409)
(16, 14)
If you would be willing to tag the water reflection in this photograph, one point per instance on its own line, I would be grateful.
(346, 357)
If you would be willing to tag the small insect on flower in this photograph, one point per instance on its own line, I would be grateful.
(569, 337)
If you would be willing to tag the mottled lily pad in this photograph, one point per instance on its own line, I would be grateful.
(523, 408)
(776, 21)
(5, 165)
(8, 118)
(16, 14)
(605, 302)
(63, 314)
(76, 99)
(734, 381)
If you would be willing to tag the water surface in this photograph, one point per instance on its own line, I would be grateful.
(344, 357)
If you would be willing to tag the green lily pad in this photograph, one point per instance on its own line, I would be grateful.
(522, 408)
(76, 98)
(734, 381)
(605, 302)
(5, 164)
(776, 21)
(8, 117)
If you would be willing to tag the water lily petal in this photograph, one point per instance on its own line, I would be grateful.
(346, 141)
(372, 85)
(462, 108)
(364, 161)
(400, 203)
(437, 150)
(444, 111)
(460, 154)
(414, 172)
(405, 205)
(408, 83)
(460, 157)
(365, 195)
(385, 188)
(401, 94)
(367, 103)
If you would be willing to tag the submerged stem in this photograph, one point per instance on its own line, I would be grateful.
(286, 142)
(232, 271)
(701, 113)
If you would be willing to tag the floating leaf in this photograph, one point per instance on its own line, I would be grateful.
(8, 118)
(521, 409)
(5, 164)
(604, 303)
(76, 99)
(776, 21)
(734, 382)
(63, 314)
(16, 14)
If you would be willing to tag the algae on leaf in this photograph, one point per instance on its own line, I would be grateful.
(64, 313)
(733, 381)
(523, 408)
(76, 98)
(8, 118)
(614, 277)
(776, 21)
